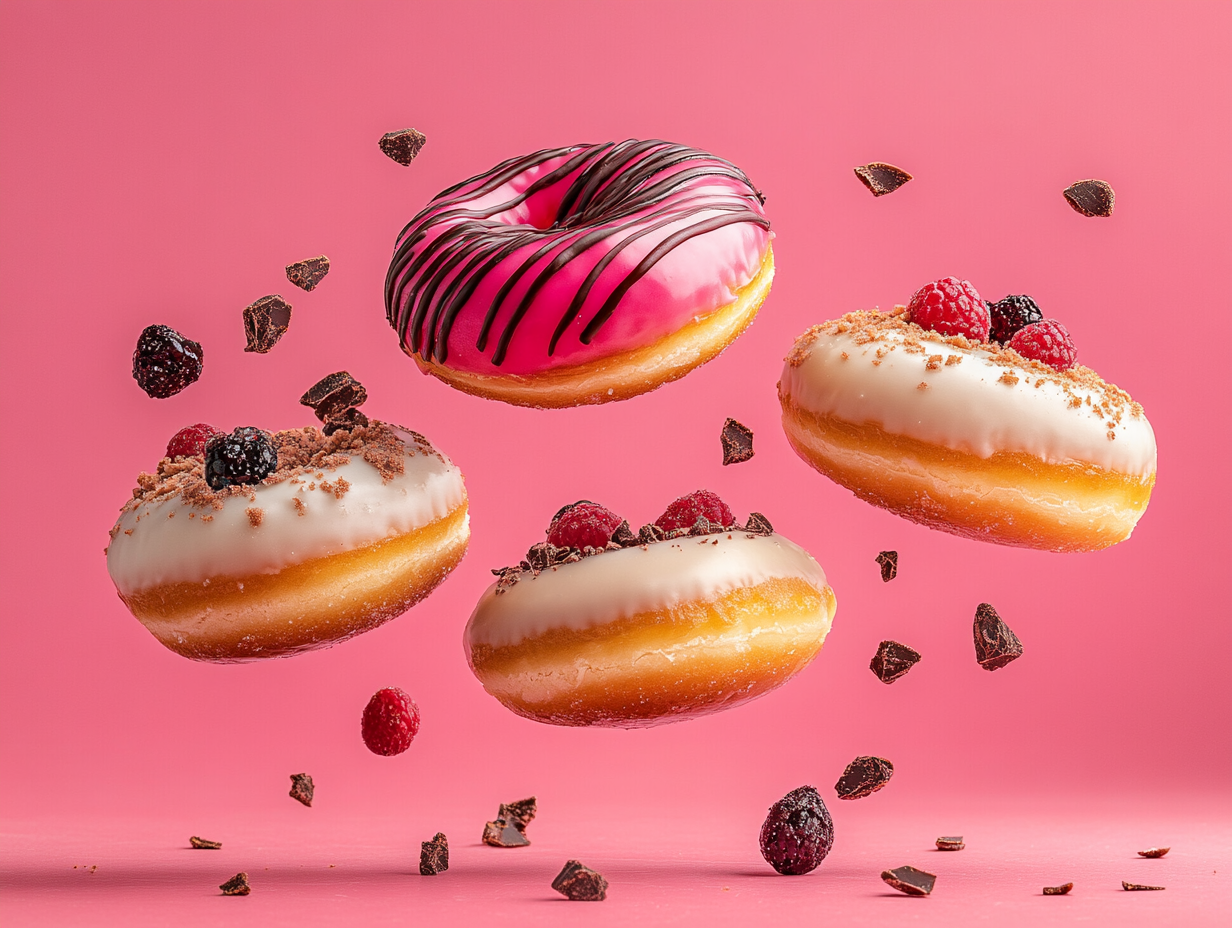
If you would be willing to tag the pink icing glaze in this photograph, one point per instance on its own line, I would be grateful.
(467, 224)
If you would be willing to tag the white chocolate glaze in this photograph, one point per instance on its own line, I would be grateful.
(170, 541)
(619, 584)
(970, 406)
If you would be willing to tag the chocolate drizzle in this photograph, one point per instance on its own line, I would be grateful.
(619, 193)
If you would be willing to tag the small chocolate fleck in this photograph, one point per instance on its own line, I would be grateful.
(403, 145)
(624, 537)
(1091, 197)
(892, 660)
(888, 561)
(1061, 890)
(737, 442)
(349, 419)
(579, 883)
(1137, 887)
(881, 178)
(863, 777)
(909, 880)
(266, 321)
(504, 834)
(995, 644)
(302, 788)
(204, 844)
(434, 855)
(308, 273)
(759, 524)
(334, 394)
(1154, 852)
(950, 843)
(236, 886)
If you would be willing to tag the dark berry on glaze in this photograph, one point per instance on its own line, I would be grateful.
(165, 362)
(1014, 312)
(798, 833)
(245, 456)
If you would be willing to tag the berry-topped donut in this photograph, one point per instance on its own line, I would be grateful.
(582, 274)
(692, 614)
(1009, 440)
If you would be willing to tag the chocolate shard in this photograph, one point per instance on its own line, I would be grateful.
(348, 420)
(737, 442)
(624, 537)
(1091, 197)
(504, 834)
(579, 883)
(1140, 887)
(520, 813)
(759, 524)
(302, 788)
(950, 843)
(888, 561)
(704, 526)
(204, 844)
(1154, 852)
(434, 855)
(236, 886)
(892, 660)
(881, 178)
(650, 533)
(1061, 890)
(995, 644)
(333, 394)
(909, 880)
(402, 146)
(266, 321)
(863, 777)
(308, 273)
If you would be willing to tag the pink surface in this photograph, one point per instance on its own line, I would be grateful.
(163, 162)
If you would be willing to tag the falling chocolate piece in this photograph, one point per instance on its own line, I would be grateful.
(1140, 887)
(881, 178)
(202, 844)
(888, 561)
(266, 321)
(737, 442)
(995, 644)
(863, 777)
(302, 788)
(403, 145)
(520, 813)
(579, 883)
(308, 273)
(624, 537)
(759, 524)
(504, 834)
(349, 419)
(1153, 852)
(1091, 197)
(909, 880)
(1061, 890)
(951, 843)
(333, 394)
(236, 886)
(434, 855)
(892, 660)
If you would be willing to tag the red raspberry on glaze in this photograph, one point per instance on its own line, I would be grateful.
(1046, 341)
(191, 440)
(950, 306)
(391, 721)
(583, 524)
(684, 512)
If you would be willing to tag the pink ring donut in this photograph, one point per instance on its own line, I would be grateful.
(582, 274)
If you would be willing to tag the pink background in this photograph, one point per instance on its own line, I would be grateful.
(162, 163)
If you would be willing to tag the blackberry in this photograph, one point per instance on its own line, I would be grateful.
(165, 362)
(798, 833)
(247, 455)
(1016, 311)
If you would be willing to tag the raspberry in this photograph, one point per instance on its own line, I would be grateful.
(247, 455)
(583, 524)
(1046, 341)
(684, 512)
(391, 722)
(165, 362)
(798, 833)
(190, 441)
(1015, 312)
(950, 306)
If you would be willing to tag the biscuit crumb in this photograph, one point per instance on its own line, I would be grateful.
(934, 362)
(1009, 378)
(300, 508)
(255, 515)
(922, 386)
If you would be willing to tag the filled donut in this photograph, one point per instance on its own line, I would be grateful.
(251, 545)
(581, 275)
(693, 614)
(1007, 441)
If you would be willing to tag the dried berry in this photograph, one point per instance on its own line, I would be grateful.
(1008, 315)
(1046, 341)
(798, 833)
(892, 660)
(390, 722)
(236, 886)
(881, 178)
(888, 562)
(1091, 197)
(582, 525)
(165, 362)
(302, 789)
(204, 844)
(579, 883)
(265, 322)
(434, 855)
(737, 441)
(863, 777)
(402, 146)
(995, 643)
(245, 456)
(909, 880)
(333, 394)
(308, 273)
(950, 306)
(684, 512)
(190, 441)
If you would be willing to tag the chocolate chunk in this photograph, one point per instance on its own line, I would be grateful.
(737, 442)
(624, 537)
(950, 843)
(349, 419)
(759, 524)
(579, 883)
(1154, 852)
(301, 788)
(403, 145)
(1061, 890)
(266, 321)
(995, 644)
(909, 880)
(334, 394)
(504, 834)
(892, 660)
(202, 844)
(1091, 197)
(520, 813)
(888, 560)
(881, 178)
(308, 273)
(650, 533)
(704, 526)
(1138, 887)
(434, 855)
(236, 886)
(863, 777)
